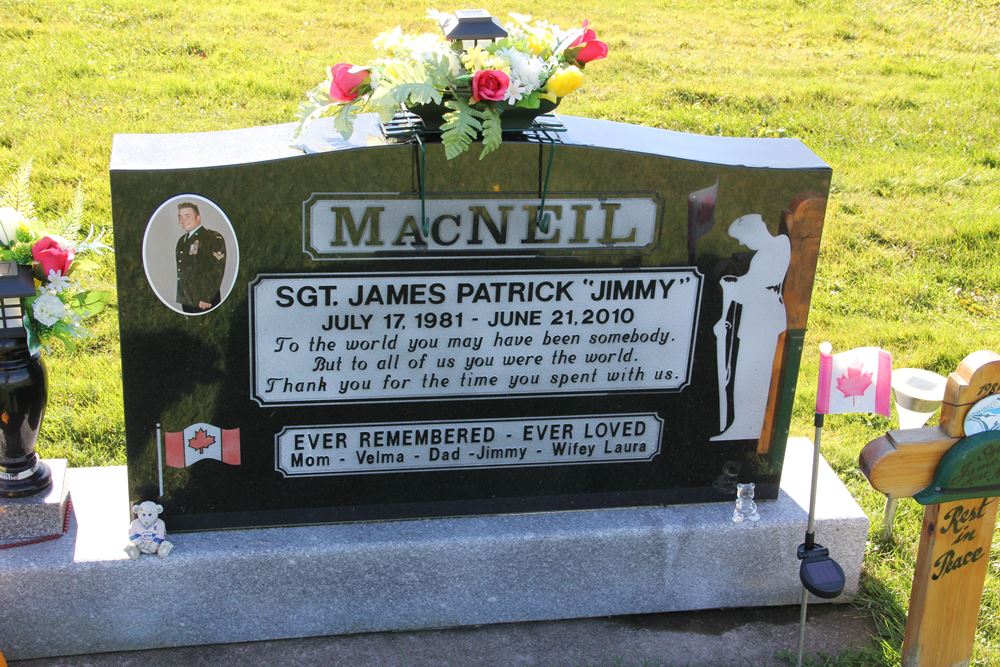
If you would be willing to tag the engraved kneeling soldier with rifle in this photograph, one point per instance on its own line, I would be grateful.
(201, 262)
(753, 317)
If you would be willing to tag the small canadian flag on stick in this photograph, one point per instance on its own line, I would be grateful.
(201, 442)
(859, 380)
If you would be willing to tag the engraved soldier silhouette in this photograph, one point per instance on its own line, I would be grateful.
(201, 262)
(753, 316)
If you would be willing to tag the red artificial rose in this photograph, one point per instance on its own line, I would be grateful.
(53, 253)
(489, 84)
(588, 46)
(344, 84)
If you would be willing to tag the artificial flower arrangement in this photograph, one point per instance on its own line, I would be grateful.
(53, 251)
(535, 62)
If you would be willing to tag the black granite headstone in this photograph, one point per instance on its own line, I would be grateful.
(339, 336)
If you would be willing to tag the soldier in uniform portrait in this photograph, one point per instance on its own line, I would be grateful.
(201, 262)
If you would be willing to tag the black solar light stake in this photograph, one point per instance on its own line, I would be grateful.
(820, 575)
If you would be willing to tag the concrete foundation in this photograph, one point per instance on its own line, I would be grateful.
(80, 594)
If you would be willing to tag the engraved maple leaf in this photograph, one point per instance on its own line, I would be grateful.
(201, 440)
(855, 382)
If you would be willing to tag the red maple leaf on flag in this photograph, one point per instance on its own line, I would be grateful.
(201, 440)
(855, 382)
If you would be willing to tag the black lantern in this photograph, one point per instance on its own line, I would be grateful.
(470, 26)
(23, 390)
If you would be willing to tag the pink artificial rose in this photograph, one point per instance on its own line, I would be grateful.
(53, 253)
(489, 84)
(588, 46)
(344, 84)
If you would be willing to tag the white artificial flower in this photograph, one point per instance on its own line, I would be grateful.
(526, 70)
(10, 220)
(564, 38)
(536, 31)
(515, 91)
(390, 40)
(441, 18)
(48, 309)
(426, 44)
(57, 282)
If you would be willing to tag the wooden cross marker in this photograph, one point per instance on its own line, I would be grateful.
(958, 479)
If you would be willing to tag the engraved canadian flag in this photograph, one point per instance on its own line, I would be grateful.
(201, 442)
(859, 380)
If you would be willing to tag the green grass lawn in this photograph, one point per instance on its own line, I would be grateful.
(901, 98)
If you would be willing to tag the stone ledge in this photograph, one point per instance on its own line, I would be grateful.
(80, 594)
(39, 515)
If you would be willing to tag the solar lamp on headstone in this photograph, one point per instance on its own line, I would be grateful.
(466, 28)
(23, 390)
(918, 395)
(472, 26)
(475, 27)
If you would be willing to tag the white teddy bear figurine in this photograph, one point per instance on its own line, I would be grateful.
(147, 534)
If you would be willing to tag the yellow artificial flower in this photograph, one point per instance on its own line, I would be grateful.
(564, 81)
(540, 42)
(476, 59)
(390, 40)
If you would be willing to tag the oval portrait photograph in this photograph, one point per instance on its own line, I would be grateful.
(190, 254)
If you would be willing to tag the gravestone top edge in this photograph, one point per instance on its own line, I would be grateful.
(196, 150)
(752, 152)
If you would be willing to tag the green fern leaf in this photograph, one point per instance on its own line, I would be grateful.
(416, 93)
(343, 122)
(16, 194)
(403, 72)
(492, 132)
(413, 83)
(317, 101)
(438, 71)
(383, 103)
(68, 224)
(460, 128)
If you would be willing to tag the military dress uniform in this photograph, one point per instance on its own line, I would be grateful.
(201, 263)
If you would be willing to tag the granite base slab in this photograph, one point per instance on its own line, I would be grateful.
(80, 594)
(38, 515)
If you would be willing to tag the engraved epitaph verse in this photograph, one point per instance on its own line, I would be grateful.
(326, 338)
(308, 451)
